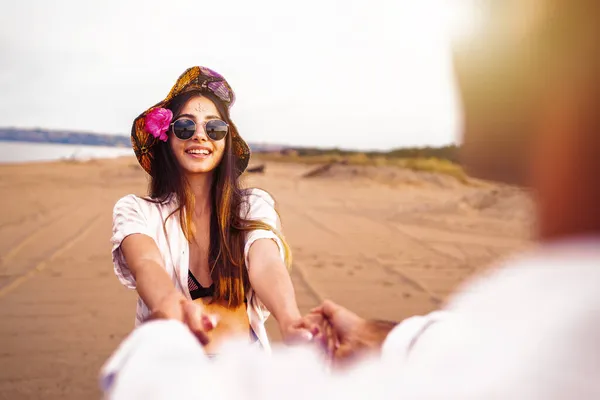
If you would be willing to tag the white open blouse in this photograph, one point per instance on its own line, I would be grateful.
(133, 214)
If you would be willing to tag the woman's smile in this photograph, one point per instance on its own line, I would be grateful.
(199, 152)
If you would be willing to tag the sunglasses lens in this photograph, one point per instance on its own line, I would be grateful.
(216, 129)
(184, 128)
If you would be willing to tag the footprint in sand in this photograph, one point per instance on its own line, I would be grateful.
(319, 265)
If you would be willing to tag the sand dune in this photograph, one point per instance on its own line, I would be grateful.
(388, 243)
(384, 175)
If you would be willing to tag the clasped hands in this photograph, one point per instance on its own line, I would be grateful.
(342, 335)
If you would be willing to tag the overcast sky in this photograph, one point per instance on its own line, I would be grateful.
(369, 74)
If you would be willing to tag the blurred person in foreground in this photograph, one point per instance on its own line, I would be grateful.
(529, 329)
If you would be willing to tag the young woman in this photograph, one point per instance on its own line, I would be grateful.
(199, 236)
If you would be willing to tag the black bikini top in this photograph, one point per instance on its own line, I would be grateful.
(198, 291)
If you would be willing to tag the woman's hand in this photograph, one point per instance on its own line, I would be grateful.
(175, 306)
(170, 306)
(302, 329)
(293, 333)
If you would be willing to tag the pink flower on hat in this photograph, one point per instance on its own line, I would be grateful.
(157, 122)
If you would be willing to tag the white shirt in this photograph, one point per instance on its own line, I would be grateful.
(133, 214)
(528, 330)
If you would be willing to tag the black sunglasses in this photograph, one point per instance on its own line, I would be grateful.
(185, 128)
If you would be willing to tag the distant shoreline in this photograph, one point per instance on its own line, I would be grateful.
(17, 152)
(117, 146)
(63, 137)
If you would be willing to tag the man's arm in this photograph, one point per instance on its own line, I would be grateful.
(356, 338)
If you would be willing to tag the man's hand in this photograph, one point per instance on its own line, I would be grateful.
(350, 336)
(176, 306)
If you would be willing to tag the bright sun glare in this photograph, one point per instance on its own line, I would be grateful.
(452, 19)
(427, 29)
(461, 17)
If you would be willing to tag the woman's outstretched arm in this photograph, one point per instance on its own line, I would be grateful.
(153, 283)
(272, 284)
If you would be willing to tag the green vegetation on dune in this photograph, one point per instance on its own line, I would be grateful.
(440, 160)
(437, 165)
(449, 153)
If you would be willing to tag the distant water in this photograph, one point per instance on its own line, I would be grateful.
(16, 152)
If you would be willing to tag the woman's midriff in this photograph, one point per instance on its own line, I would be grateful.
(232, 323)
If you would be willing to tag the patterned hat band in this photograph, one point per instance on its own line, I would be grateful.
(214, 82)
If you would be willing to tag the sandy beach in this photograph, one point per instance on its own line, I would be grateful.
(387, 243)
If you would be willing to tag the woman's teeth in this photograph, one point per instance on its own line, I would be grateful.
(194, 151)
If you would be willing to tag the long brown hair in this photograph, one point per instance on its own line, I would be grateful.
(228, 227)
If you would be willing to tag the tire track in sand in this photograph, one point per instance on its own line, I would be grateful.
(299, 277)
(410, 281)
(306, 216)
(80, 234)
(29, 238)
(24, 219)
